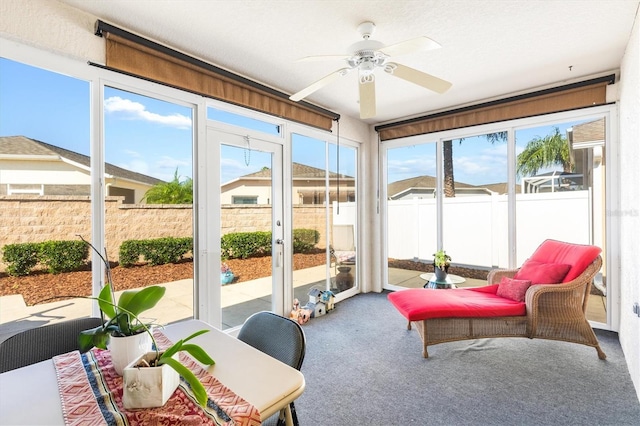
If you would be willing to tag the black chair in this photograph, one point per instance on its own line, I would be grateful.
(38, 344)
(279, 337)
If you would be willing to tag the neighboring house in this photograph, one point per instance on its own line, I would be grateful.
(28, 166)
(586, 143)
(425, 187)
(308, 187)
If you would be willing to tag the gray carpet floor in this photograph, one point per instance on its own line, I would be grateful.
(363, 367)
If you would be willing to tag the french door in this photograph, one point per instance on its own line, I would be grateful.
(244, 195)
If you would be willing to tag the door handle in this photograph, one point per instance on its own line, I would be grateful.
(280, 241)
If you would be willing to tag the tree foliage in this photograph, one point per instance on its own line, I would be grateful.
(173, 192)
(449, 184)
(548, 151)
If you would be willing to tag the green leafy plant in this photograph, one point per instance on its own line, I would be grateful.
(441, 259)
(305, 240)
(63, 256)
(20, 258)
(173, 192)
(122, 320)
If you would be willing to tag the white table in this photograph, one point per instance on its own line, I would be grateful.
(29, 395)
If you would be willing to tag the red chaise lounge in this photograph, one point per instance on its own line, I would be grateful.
(546, 298)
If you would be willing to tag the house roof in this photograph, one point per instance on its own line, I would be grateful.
(588, 132)
(300, 171)
(23, 146)
(425, 182)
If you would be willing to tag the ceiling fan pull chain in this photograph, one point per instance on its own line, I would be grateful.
(247, 151)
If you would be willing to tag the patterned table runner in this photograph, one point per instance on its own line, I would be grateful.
(91, 394)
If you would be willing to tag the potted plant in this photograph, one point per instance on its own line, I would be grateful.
(226, 276)
(122, 332)
(150, 380)
(441, 262)
(122, 321)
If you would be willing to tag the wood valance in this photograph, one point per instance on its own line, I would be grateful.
(132, 54)
(563, 98)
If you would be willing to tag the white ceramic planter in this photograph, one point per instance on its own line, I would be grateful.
(148, 387)
(125, 350)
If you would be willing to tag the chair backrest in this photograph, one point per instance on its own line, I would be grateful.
(275, 335)
(343, 238)
(578, 256)
(38, 344)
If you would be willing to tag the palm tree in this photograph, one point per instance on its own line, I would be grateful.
(548, 151)
(173, 192)
(447, 154)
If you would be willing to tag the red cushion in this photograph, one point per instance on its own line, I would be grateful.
(579, 256)
(417, 304)
(513, 289)
(542, 273)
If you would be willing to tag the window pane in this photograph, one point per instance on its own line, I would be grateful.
(149, 196)
(246, 232)
(310, 215)
(412, 215)
(474, 210)
(242, 121)
(342, 193)
(561, 193)
(45, 176)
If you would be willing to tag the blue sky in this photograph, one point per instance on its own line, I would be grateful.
(154, 137)
(476, 161)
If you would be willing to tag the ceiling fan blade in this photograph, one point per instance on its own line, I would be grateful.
(420, 78)
(419, 44)
(319, 84)
(322, 58)
(367, 96)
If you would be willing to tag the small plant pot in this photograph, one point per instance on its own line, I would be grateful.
(226, 278)
(125, 350)
(441, 274)
(148, 387)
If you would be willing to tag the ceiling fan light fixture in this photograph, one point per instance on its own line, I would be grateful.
(367, 66)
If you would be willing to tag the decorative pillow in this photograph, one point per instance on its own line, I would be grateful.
(513, 289)
(542, 273)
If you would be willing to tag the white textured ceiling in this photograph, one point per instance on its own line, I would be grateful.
(489, 48)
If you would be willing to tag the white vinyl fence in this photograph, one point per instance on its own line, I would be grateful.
(476, 227)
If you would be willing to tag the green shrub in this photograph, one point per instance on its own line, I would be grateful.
(165, 250)
(129, 253)
(304, 240)
(20, 258)
(63, 256)
(158, 251)
(241, 245)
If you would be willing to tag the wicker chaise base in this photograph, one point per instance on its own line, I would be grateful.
(442, 330)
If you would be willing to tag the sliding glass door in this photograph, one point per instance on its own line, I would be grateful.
(489, 199)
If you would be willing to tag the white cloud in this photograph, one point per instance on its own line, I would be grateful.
(137, 111)
(166, 162)
(417, 166)
(138, 166)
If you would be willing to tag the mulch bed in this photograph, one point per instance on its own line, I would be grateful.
(40, 286)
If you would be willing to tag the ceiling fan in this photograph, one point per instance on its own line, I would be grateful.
(367, 55)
